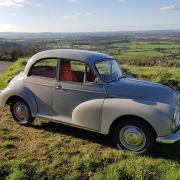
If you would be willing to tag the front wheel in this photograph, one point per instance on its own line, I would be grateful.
(135, 136)
(21, 112)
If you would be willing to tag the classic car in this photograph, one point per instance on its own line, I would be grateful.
(87, 90)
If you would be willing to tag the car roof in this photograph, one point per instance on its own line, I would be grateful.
(81, 55)
(71, 54)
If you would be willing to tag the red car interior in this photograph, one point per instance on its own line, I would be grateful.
(66, 73)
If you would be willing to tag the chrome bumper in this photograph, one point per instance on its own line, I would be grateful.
(169, 139)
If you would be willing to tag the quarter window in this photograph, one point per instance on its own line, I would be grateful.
(45, 68)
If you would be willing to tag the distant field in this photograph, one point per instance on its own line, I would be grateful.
(168, 49)
(139, 52)
(154, 49)
(52, 151)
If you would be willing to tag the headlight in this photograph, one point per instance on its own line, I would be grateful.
(178, 95)
(175, 119)
(176, 115)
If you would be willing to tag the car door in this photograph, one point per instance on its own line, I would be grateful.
(41, 81)
(78, 99)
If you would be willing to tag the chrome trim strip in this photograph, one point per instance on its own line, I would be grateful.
(79, 90)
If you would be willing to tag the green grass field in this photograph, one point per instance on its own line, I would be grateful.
(165, 75)
(53, 151)
(166, 49)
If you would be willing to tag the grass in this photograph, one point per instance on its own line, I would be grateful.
(168, 49)
(53, 151)
(144, 61)
(16, 68)
(165, 75)
(141, 53)
(147, 49)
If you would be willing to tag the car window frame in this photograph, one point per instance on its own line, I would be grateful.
(41, 77)
(78, 83)
(101, 60)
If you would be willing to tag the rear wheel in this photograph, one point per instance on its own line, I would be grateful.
(21, 112)
(134, 135)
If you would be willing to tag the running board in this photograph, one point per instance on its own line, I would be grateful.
(49, 119)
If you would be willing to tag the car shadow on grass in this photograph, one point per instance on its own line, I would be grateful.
(165, 151)
(104, 140)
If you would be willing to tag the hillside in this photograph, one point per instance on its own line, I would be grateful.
(53, 151)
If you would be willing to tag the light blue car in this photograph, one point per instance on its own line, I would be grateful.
(87, 90)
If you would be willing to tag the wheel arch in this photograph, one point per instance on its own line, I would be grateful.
(12, 99)
(131, 117)
(21, 93)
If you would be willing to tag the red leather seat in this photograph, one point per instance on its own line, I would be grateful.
(91, 76)
(66, 73)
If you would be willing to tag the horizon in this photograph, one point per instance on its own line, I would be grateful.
(78, 16)
(139, 31)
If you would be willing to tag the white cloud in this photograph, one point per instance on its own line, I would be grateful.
(77, 15)
(16, 3)
(72, 1)
(170, 8)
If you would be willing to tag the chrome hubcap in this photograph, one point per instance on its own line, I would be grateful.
(21, 111)
(132, 138)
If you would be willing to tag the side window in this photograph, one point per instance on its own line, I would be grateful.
(75, 71)
(45, 68)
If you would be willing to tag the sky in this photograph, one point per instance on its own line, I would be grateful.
(88, 15)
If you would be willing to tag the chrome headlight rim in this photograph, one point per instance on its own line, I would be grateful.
(176, 115)
(175, 119)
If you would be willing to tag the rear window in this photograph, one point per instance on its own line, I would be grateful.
(45, 68)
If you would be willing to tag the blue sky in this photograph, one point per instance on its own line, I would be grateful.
(88, 15)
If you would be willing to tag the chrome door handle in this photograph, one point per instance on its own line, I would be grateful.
(59, 87)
